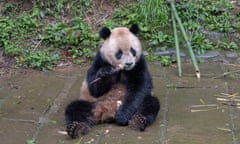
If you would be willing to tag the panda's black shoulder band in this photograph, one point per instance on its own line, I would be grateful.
(104, 33)
(134, 29)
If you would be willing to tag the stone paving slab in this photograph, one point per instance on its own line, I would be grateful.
(32, 107)
(186, 126)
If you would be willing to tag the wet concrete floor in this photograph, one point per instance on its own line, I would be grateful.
(193, 111)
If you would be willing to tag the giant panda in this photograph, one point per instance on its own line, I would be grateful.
(117, 87)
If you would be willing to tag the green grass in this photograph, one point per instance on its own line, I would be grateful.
(154, 19)
(50, 32)
(41, 37)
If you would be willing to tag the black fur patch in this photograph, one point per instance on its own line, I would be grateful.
(78, 110)
(134, 29)
(104, 33)
(119, 54)
(133, 51)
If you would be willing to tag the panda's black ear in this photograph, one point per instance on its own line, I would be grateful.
(104, 33)
(134, 29)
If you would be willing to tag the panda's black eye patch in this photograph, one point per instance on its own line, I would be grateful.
(119, 54)
(133, 51)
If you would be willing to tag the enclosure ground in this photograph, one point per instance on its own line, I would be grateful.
(32, 107)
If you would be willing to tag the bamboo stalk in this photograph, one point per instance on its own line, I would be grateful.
(176, 45)
(20, 120)
(203, 110)
(117, 69)
(234, 65)
(226, 73)
(224, 129)
(226, 94)
(185, 38)
(226, 99)
(204, 105)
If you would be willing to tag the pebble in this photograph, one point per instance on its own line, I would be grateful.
(139, 137)
(232, 55)
(210, 54)
(169, 52)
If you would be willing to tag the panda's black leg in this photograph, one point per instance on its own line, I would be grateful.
(145, 115)
(78, 116)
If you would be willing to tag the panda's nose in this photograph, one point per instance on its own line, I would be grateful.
(128, 63)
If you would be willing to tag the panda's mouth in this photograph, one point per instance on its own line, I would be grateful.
(127, 68)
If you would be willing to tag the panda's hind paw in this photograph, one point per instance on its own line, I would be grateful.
(137, 122)
(76, 129)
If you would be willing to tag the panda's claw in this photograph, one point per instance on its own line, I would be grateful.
(76, 129)
(137, 122)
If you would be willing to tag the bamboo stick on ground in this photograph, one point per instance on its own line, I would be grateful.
(205, 105)
(226, 73)
(203, 110)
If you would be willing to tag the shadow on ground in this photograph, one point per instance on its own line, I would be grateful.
(32, 107)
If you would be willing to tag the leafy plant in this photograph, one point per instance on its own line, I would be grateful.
(37, 37)
(165, 60)
(213, 15)
(160, 38)
(154, 12)
(200, 43)
(228, 46)
(30, 142)
(76, 37)
(151, 56)
(38, 60)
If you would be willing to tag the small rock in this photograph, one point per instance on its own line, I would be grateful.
(238, 60)
(169, 52)
(139, 137)
(232, 55)
(210, 54)
(106, 131)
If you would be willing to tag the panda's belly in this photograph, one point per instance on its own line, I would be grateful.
(107, 105)
(117, 91)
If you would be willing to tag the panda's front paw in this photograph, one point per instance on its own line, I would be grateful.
(121, 118)
(105, 72)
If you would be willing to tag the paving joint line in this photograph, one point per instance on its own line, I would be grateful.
(231, 112)
(54, 107)
(164, 121)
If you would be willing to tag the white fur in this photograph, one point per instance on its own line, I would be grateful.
(121, 38)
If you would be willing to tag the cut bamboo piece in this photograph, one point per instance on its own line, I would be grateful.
(227, 73)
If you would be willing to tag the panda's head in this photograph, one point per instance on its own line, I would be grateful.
(121, 46)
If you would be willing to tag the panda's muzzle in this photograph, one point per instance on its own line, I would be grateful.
(128, 65)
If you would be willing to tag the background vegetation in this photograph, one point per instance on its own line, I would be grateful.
(40, 34)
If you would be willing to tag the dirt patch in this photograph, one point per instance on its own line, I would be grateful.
(8, 67)
(5, 65)
(103, 10)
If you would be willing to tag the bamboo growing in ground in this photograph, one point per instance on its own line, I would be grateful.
(176, 17)
(176, 45)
